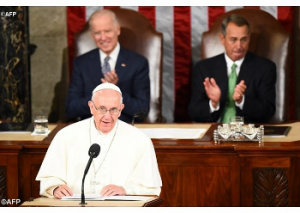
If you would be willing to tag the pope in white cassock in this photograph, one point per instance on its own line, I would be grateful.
(126, 164)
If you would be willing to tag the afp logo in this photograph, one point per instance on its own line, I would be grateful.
(10, 202)
(8, 14)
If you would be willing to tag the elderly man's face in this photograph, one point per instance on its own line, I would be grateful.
(236, 41)
(110, 100)
(105, 32)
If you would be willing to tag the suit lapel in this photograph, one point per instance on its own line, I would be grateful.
(246, 68)
(95, 64)
(221, 75)
(121, 64)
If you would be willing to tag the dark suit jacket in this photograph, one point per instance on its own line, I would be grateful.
(259, 75)
(133, 72)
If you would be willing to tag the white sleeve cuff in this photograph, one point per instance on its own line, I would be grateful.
(212, 109)
(241, 105)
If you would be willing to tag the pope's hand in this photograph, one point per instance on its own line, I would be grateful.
(62, 191)
(111, 190)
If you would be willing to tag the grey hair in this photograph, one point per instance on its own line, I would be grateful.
(104, 12)
(237, 20)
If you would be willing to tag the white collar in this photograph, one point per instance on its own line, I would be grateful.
(94, 130)
(229, 64)
(113, 55)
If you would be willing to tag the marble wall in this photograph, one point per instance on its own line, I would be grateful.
(14, 69)
(49, 81)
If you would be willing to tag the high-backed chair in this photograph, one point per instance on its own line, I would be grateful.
(268, 39)
(137, 34)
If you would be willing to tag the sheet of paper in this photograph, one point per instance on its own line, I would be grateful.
(176, 133)
(15, 132)
(87, 197)
(129, 198)
(97, 197)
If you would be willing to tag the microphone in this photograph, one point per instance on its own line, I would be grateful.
(93, 153)
(141, 113)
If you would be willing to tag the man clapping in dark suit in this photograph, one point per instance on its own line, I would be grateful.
(236, 83)
(111, 63)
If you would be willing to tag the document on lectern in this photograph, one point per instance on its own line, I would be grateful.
(175, 133)
(106, 198)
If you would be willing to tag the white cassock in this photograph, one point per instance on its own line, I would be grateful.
(127, 158)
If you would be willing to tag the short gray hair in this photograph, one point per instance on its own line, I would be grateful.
(237, 20)
(104, 12)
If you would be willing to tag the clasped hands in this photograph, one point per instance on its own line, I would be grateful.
(109, 190)
(214, 93)
(110, 77)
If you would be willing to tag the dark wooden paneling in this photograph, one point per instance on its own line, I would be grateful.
(199, 179)
(270, 180)
(194, 172)
(9, 175)
(270, 187)
(30, 164)
(3, 184)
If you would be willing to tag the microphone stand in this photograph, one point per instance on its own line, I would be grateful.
(83, 179)
(93, 153)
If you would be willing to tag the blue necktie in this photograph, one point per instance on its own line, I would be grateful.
(106, 66)
(230, 106)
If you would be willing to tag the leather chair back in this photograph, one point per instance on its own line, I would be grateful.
(268, 39)
(137, 34)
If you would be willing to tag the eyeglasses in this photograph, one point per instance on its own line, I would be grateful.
(103, 110)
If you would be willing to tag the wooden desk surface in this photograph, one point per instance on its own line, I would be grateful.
(43, 202)
(24, 136)
(293, 135)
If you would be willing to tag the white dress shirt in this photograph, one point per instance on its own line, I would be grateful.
(113, 56)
